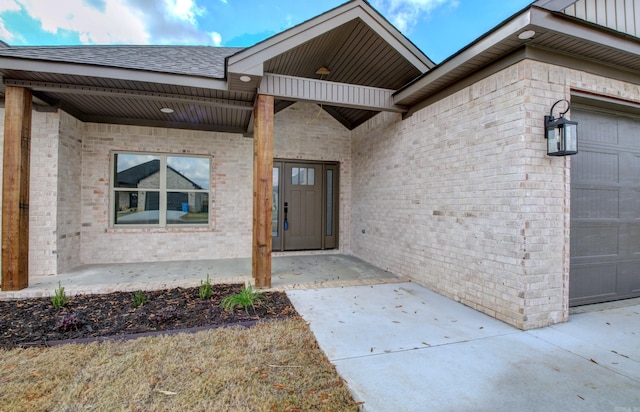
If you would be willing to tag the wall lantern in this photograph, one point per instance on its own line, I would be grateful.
(561, 134)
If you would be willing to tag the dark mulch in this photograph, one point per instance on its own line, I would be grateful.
(35, 322)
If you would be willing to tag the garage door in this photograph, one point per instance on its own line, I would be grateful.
(605, 208)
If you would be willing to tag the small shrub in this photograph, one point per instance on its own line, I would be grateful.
(206, 290)
(59, 298)
(70, 321)
(247, 298)
(139, 298)
(166, 314)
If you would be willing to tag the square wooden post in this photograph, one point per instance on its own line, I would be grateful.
(15, 189)
(262, 190)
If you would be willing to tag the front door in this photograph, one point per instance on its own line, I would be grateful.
(305, 206)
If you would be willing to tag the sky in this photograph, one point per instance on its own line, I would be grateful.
(438, 27)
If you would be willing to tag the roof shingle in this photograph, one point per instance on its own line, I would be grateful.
(204, 61)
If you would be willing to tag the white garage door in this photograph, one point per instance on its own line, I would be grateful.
(605, 208)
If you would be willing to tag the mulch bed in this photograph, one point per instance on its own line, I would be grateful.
(36, 322)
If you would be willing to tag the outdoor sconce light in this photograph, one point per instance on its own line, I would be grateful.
(561, 134)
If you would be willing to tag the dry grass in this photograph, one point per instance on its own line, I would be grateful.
(274, 366)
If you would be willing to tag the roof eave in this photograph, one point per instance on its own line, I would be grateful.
(76, 69)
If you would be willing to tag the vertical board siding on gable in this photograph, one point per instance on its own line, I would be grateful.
(620, 15)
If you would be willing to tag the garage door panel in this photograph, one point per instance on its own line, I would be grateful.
(605, 208)
(595, 203)
(594, 241)
(593, 283)
(596, 167)
(630, 280)
(633, 233)
(628, 132)
(596, 127)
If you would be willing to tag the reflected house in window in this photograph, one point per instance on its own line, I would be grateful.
(147, 176)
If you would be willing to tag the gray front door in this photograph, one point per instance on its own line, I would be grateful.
(605, 208)
(304, 206)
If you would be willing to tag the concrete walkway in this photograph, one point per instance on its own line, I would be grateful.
(401, 347)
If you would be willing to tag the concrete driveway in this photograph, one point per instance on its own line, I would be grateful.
(402, 347)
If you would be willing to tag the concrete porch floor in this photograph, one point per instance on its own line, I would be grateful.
(291, 271)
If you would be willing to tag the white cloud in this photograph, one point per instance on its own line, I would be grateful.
(4, 33)
(404, 14)
(9, 5)
(117, 23)
(216, 38)
(185, 10)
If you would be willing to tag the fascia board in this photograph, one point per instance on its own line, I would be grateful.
(29, 65)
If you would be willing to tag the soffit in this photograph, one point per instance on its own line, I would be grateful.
(105, 100)
(555, 32)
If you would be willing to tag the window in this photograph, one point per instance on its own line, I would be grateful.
(160, 190)
(303, 176)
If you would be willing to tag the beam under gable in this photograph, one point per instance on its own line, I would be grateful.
(330, 93)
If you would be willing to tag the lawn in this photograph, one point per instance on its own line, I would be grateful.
(272, 366)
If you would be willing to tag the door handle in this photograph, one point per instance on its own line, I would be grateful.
(286, 211)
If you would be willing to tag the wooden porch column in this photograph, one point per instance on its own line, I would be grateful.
(15, 189)
(262, 189)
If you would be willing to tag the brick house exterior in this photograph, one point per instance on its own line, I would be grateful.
(456, 192)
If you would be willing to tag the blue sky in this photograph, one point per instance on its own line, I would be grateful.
(438, 27)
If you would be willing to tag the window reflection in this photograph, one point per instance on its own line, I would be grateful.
(187, 208)
(146, 210)
(187, 173)
(158, 189)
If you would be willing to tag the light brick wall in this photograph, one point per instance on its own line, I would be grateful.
(69, 184)
(230, 196)
(299, 134)
(462, 198)
(43, 191)
(43, 194)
